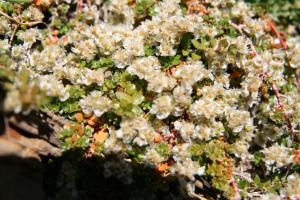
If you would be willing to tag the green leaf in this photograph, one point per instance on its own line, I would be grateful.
(112, 119)
(5, 60)
(76, 92)
(195, 56)
(20, 1)
(185, 52)
(277, 117)
(258, 157)
(82, 142)
(233, 32)
(146, 105)
(169, 61)
(186, 41)
(65, 133)
(6, 7)
(2, 73)
(70, 107)
(163, 149)
(149, 51)
(232, 49)
(65, 28)
(63, 8)
(142, 6)
(137, 98)
(196, 150)
(152, 11)
(102, 62)
(88, 131)
(223, 44)
(215, 151)
(124, 98)
(137, 153)
(257, 181)
(57, 23)
(67, 144)
(64, 108)
(196, 44)
(242, 184)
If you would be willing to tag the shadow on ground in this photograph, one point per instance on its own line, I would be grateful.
(21, 179)
(73, 178)
(89, 178)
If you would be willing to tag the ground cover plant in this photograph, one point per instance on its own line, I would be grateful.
(203, 91)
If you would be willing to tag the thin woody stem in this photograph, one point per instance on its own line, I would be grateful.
(13, 34)
(281, 106)
(20, 23)
(237, 195)
(237, 27)
(273, 28)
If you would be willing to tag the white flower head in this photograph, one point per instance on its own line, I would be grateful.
(162, 107)
(95, 103)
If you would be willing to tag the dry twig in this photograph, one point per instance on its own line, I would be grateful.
(19, 22)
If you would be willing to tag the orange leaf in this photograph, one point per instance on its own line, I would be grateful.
(297, 156)
(78, 117)
(38, 2)
(100, 136)
(163, 167)
(158, 138)
(92, 121)
(79, 129)
(74, 138)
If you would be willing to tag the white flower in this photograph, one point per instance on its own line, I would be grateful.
(136, 130)
(292, 187)
(205, 132)
(86, 49)
(120, 8)
(18, 51)
(4, 45)
(278, 155)
(103, 38)
(30, 35)
(162, 107)
(134, 45)
(144, 67)
(168, 8)
(165, 49)
(13, 101)
(32, 13)
(4, 25)
(191, 73)
(205, 107)
(188, 169)
(112, 144)
(238, 120)
(270, 196)
(82, 76)
(53, 87)
(95, 103)
(187, 130)
(153, 157)
(182, 95)
(294, 57)
(122, 58)
(158, 82)
(47, 58)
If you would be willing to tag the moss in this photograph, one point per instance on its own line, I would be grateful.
(163, 149)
